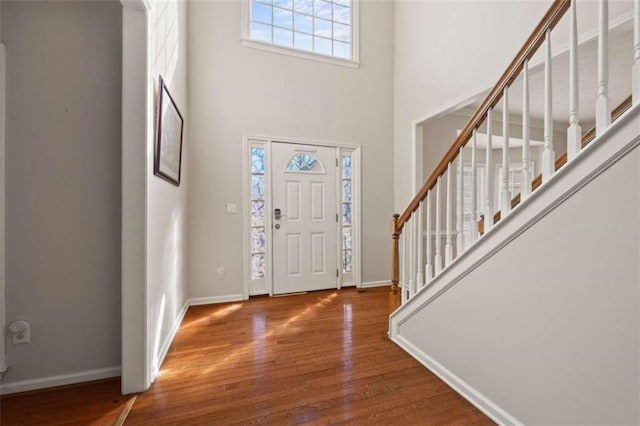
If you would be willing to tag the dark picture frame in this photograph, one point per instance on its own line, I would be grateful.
(167, 162)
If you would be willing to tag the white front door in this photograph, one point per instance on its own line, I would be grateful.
(304, 218)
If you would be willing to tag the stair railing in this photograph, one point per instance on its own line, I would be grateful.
(417, 268)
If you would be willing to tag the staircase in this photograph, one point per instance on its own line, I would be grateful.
(532, 313)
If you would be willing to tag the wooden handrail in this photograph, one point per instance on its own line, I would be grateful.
(562, 160)
(549, 21)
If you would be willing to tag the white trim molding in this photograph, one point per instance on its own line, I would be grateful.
(216, 299)
(59, 380)
(479, 400)
(372, 284)
(3, 97)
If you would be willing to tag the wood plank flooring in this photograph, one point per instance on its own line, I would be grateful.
(96, 403)
(318, 358)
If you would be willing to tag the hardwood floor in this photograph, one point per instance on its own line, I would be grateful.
(317, 358)
(97, 403)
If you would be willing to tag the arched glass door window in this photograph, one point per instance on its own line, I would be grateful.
(304, 163)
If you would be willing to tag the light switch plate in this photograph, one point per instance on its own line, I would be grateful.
(231, 208)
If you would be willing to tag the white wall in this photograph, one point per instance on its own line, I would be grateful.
(431, 76)
(236, 91)
(569, 288)
(167, 209)
(63, 185)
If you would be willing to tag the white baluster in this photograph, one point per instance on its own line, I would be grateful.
(505, 194)
(429, 265)
(474, 184)
(412, 258)
(420, 273)
(438, 255)
(415, 253)
(448, 248)
(548, 155)
(460, 202)
(525, 191)
(636, 52)
(488, 181)
(603, 103)
(403, 263)
(574, 132)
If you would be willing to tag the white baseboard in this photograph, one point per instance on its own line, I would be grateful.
(61, 380)
(169, 339)
(370, 284)
(216, 299)
(479, 400)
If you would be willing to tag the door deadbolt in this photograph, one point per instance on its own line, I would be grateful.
(277, 226)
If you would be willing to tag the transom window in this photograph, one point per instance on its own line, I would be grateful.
(317, 26)
(304, 163)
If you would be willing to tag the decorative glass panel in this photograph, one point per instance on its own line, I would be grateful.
(346, 190)
(341, 50)
(257, 240)
(341, 14)
(282, 18)
(303, 41)
(257, 266)
(257, 213)
(261, 32)
(346, 214)
(304, 163)
(346, 261)
(346, 167)
(322, 45)
(282, 37)
(260, 12)
(304, 23)
(257, 160)
(322, 28)
(322, 9)
(346, 238)
(257, 187)
(304, 6)
(287, 4)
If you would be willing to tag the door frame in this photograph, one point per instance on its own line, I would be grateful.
(356, 218)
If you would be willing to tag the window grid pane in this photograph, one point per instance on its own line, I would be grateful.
(258, 234)
(284, 23)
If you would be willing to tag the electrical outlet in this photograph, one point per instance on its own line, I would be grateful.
(231, 208)
(20, 332)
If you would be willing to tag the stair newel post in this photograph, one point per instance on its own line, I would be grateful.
(448, 248)
(636, 52)
(574, 132)
(395, 263)
(548, 155)
(603, 103)
(474, 185)
(488, 181)
(460, 205)
(505, 194)
(419, 242)
(429, 264)
(525, 190)
(438, 242)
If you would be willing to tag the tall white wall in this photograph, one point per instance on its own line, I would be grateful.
(447, 51)
(167, 207)
(236, 91)
(63, 186)
(2, 197)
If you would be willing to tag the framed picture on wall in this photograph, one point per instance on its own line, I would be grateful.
(167, 162)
